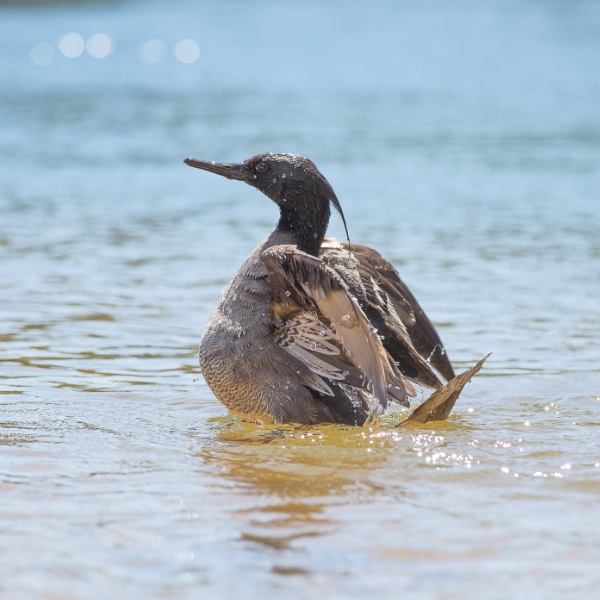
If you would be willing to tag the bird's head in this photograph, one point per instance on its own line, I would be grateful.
(294, 183)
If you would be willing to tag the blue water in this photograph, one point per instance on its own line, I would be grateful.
(463, 141)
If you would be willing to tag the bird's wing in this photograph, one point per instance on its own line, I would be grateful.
(319, 322)
(408, 334)
(438, 406)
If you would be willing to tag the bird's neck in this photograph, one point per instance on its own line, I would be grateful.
(307, 225)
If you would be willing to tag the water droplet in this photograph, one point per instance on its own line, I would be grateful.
(313, 346)
(346, 373)
(283, 176)
(288, 293)
(275, 180)
(346, 318)
(254, 176)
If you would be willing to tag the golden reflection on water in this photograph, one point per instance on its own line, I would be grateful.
(298, 460)
(292, 476)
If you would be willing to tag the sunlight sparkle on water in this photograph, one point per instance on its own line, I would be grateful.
(100, 45)
(187, 51)
(71, 45)
(152, 51)
(42, 54)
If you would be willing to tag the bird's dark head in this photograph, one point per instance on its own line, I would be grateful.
(295, 184)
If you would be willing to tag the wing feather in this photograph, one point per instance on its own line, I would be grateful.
(409, 336)
(320, 323)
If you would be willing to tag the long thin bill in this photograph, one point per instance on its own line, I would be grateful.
(230, 170)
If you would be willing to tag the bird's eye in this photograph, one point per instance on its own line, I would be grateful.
(261, 167)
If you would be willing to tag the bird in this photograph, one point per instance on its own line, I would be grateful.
(314, 330)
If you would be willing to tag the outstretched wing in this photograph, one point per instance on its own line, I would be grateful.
(408, 334)
(438, 406)
(320, 323)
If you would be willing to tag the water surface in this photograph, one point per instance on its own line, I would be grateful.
(463, 142)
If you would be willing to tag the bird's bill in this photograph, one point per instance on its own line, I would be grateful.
(230, 170)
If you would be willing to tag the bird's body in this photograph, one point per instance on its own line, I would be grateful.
(312, 330)
(252, 376)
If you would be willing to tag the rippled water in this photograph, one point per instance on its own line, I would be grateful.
(463, 142)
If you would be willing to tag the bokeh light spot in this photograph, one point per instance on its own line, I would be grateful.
(187, 51)
(99, 45)
(152, 51)
(42, 54)
(71, 45)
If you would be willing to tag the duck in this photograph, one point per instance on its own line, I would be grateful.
(314, 330)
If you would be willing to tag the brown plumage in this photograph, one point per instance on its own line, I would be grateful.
(312, 330)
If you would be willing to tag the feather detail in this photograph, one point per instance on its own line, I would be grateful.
(318, 321)
(408, 335)
(307, 331)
